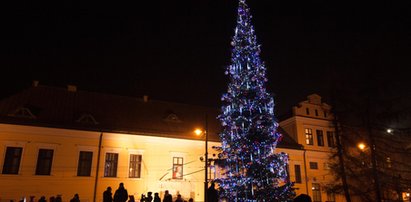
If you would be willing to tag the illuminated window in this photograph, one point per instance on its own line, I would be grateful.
(309, 136)
(44, 161)
(313, 165)
(84, 163)
(320, 138)
(135, 166)
(330, 139)
(110, 166)
(316, 192)
(297, 171)
(12, 160)
(178, 168)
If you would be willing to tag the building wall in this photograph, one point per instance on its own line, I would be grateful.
(157, 156)
(157, 162)
(314, 115)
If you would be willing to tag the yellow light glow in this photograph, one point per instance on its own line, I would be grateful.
(361, 146)
(198, 131)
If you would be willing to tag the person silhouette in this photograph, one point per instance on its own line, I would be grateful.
(212, 193)
(76, 198)
(167, 197)
(302, 198)
(121, 194)
(156, 197)
(107, 195)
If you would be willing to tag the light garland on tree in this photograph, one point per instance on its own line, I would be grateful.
(253, 171)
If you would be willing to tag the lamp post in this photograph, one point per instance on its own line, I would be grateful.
(205, 132)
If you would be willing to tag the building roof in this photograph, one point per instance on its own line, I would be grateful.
(82, 110)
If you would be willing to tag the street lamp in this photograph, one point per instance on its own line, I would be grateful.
(199, 132)
(361, 146)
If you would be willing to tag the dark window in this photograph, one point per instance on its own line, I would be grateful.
(316, 192)
(325, 114)
(12, 160)
(316, 112)
(178, 168)
(135, 166)
(307, 111)
(313, 165)
(84, 163)
(44, 161)
(320, 138)
(297, 171)
(309, 136)
(110, 166)
(330, 139)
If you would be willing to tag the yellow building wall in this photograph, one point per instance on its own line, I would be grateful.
(157, 156)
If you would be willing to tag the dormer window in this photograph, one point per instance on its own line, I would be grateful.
(87, 119)
(23, 112)
(172, 117)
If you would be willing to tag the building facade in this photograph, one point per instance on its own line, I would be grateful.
(56, 141)
(310, 124)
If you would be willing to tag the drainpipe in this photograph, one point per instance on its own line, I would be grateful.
(305, 172)
(98, 166)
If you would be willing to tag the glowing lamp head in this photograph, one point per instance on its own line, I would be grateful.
(361, 146)
(198, 132)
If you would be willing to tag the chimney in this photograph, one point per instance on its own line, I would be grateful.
(71, 88)
(35, 83)
(145, 98)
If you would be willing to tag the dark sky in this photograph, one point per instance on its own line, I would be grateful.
(177, 50)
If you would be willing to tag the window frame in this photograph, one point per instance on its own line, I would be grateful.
(309, 139)
(320, 137)
(84, 161)
(313, 165)
(14, 168)
(108, 173)
(331, 139)
(42, 161)
(138, 163)
(316, 188)
(178, 168)
(297, 173)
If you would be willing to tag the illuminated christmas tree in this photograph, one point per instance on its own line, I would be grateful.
(252, 169)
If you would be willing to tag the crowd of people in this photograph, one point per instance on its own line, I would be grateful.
(121, 195)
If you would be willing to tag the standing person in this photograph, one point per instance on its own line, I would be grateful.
(76, 198)
(179, 199)
(212, 194)
(121, 194)
(156, 197)
(167, 197)
(302, 198)
(58, 198)
(107, 195)
(149, 197)
(42, 199)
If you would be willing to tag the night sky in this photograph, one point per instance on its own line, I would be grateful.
(178, 50)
